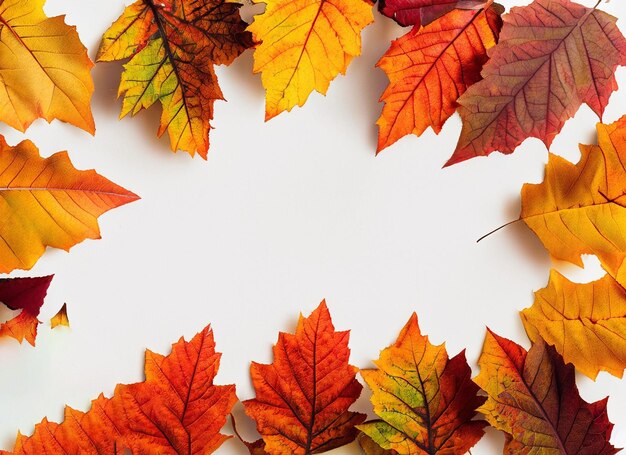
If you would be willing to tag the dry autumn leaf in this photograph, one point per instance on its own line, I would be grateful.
(304, 44)
(302, 399)
(426, 401)
(369, 447)
(47, 202)
(173, 47)
(430, 67)
(176, 410)
(533, 398)
(45, 70)
(586, 323)
(579, 208)
(553, 55)
(422, 12)
(60, 319)
(26, 294)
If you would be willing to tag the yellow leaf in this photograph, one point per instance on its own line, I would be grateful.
(44, 68)
(586, 323)
(47, 202)
(60, 318)
(304, 45)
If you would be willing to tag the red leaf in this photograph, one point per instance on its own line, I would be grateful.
(423, 12)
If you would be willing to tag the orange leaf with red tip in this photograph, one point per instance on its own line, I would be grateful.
(553, 56)
(533, 398)
(430, 67)
(425, 401)
(177, 409)
(302, 398)
(26, 294)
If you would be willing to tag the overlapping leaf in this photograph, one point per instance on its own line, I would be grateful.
(26, 294)
(553, 55)
(302, 399)
(430, 67)
(60, 319)
(44, 68)
(422, 12)
(47, 202)
(174, 46)
(304, 44)
(533, 398)
(581, 208)
(426, 401)
(176, 410)
(586, 323)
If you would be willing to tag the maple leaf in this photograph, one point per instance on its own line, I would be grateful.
(60, 318)
(578, 208)
(302, 399)
(26, 294)
(553, 55)
(177, 409)
(532, 396)
(47, 202)
(429, 67)
(173, 46)
(586, 323)
(426, 401)
(304, 44)
(423, 12)
(45, 70)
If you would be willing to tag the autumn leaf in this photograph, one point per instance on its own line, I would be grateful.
(304, 44)
(553, 55)
(302, 399)
(578, 208)
(586, 323)
(177, 409)
(429, 67)
(422, 12)
(26, 294)
(44, 68)
(369, 447)
(60, 318)
(173, 47)
(533, 398)
(426, 401)
(47, 202)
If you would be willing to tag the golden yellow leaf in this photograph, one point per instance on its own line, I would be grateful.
(47, 202)
(581, 208)
(304, 45)
(586, 323)
(44, 68)
(60, 318)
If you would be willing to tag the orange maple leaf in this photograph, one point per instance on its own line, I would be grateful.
(26, 294)
(302, 399)
(47, 202)
(430, 67)
(177, 409)
(45, 68)
(173, 47)
(553, 55)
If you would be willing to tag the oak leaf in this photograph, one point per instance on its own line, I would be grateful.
(422, 12)
(177, 409)
(173, 47)
(426, 401)
(579, 208)
(60, 318)
(553, 55)
(47, 202)
(44, 68)
(586, 323)
(302, 399)
(26, 294)
(533, 398)
(430, 67)
(304, 44)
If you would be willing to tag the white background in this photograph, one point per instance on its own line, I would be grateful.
(282, 215)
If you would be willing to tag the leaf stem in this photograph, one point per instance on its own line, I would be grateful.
(498, 228)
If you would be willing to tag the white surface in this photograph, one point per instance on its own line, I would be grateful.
(282, 215)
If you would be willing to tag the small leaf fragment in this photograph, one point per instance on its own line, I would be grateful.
(60, 318)
(420, 13)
